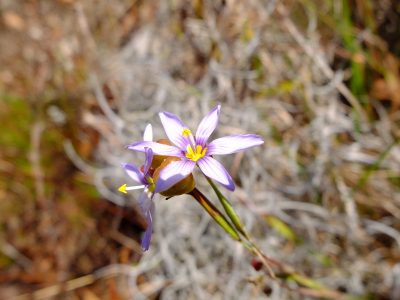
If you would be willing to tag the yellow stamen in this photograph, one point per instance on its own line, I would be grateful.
(196, 154)
(122, 189)
(186, 132)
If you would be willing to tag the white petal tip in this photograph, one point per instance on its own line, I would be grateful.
(148, 133)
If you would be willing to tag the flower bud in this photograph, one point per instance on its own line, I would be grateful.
(185, 186)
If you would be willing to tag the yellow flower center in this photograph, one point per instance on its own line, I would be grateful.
(193, 152)
(196, 154)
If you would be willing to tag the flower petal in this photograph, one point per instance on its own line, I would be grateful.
(157, 148)
(213, 169)
(145, 201)
(173, 127)
(148, 133)
(173, 173)
(207, 125)
(233, 143)
(149, 230)
(147, 162)
(134, 173)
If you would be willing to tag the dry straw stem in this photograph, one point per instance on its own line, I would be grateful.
(115, 270)
(316, 56)
(58, 289)
(35, 158)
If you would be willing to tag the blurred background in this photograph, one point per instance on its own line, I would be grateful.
(79, 80)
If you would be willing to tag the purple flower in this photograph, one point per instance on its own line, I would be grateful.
(194, 149)
(143, 177)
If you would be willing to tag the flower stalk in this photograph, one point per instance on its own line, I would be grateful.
(215, 213)
(229, 209)
(235, 219)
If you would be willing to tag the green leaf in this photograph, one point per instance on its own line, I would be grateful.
(305, 281)
(281, 228)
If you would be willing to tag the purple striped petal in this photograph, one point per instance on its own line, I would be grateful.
(147, 162)
(207, 125)
(173, 127)
(213, 169)
(233, 143)
(134, 173)
(157, 148)
(149, 230)
(173, 173)
(148, 133)
(145, 202)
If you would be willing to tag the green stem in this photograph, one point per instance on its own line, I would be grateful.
(229, 210)
(215, 213)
